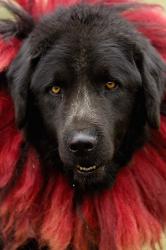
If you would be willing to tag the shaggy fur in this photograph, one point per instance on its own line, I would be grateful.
(45, 201)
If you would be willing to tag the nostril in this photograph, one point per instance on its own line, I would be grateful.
(81, 142)
(81, 146)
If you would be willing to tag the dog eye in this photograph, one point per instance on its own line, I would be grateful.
(55, 90)
(111, 85)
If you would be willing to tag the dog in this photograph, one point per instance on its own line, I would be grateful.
(88, 89)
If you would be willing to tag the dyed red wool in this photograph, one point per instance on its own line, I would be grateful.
(128, 216)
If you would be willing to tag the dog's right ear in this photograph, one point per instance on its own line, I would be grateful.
(19, 77)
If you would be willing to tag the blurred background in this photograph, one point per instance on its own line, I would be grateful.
(157, 1)
(4, 14)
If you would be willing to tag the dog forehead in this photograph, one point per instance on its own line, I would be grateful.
(80, 22)
(82, 40)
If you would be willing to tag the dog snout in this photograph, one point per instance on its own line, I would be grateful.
(83, 141)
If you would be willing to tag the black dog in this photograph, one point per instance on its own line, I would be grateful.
(86, 88)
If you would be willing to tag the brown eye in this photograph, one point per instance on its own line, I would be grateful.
(111, 85)
(55, 89)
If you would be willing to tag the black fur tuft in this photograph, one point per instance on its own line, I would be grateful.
(19, 26)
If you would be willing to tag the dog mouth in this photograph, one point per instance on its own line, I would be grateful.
(85, 176)
(87, 170)
(89, 176)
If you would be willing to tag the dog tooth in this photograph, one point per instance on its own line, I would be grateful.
(86, 169)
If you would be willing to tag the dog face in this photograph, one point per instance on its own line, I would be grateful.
(86, 86)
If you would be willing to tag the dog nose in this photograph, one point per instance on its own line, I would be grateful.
(83, 141)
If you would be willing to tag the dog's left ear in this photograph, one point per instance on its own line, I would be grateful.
(153, 72)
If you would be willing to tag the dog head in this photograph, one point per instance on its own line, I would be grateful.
(86, 86)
